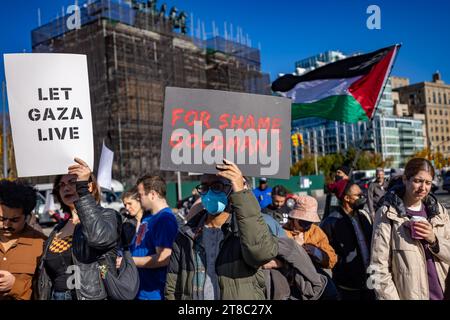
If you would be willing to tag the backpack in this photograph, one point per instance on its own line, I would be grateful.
(123, 285)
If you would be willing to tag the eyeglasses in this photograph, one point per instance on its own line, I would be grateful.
(71, 183)
(216, 187)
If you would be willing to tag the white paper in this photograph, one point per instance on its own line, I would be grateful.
(104, 177)
(39, 152)
(49, 202)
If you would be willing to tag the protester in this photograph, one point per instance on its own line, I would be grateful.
(274, 226)
(133, 206)
(335, 188)
(293, 276)
(301, 227)
(20, 244)
(349, 233)
(278, 208)
(218, 254)
(152, 246)
(376, 191)
(263, 193)
(81, 246)
(410, 260)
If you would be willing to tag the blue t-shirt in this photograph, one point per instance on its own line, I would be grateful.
(157, 230)
(264, 197)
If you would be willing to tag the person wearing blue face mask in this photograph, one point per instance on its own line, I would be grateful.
(217, 255)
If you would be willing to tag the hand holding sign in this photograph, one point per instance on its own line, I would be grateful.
(202, 127)
(230, 171)
(81, 170)
(50, 111)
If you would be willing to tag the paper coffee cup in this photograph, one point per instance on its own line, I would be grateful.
(413, 220)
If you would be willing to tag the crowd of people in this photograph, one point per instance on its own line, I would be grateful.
(230, 241)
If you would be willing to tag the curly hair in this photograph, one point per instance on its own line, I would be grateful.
(18, 194)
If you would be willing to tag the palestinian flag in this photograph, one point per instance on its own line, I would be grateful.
(346, 90)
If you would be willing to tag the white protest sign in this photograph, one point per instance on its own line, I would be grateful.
(104, 176)
(50, 112)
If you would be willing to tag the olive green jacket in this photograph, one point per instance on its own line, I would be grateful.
(247, 245)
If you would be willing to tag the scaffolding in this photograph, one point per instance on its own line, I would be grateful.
(133, 53)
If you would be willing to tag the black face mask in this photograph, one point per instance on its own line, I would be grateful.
(338, 178)
(359, 204)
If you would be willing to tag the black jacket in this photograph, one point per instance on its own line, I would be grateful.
(95, 239)
(342, 237)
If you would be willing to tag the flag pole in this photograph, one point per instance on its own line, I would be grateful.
(5, 141)
(370, 125)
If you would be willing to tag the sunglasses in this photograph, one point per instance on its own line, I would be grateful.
(216, 187)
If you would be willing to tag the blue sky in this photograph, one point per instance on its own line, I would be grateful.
(289, 30)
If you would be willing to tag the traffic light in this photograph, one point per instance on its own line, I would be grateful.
(294, 139)
(300, 139)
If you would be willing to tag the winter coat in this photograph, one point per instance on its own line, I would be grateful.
(246, 246)
(398, 262)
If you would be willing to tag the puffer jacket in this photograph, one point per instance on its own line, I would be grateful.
(306, 282)
(246, 246)
(398, 262)
(95, 239)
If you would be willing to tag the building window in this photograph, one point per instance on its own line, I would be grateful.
(434, 97)
(442, 138)
(440, 112)
(432, 138)
(446, 129)
(438, 148)
(431, 129)
(439, 96)
(437, 138)
(435, 112)
(445, 98)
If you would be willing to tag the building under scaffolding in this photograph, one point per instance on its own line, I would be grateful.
(134, 52)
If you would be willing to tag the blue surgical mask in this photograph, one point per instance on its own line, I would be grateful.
(215, 203)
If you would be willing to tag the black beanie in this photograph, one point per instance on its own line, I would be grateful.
(344, 169)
